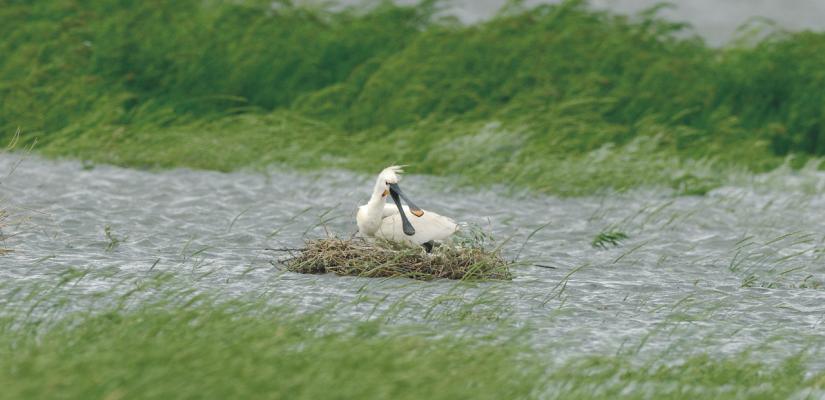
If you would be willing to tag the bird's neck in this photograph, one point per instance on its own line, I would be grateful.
(377, 200)
(373, 211)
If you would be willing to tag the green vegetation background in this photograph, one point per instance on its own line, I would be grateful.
(558, 98)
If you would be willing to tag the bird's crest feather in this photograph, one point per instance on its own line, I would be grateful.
(392, 173)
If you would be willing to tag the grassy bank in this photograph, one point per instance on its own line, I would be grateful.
(559, 98)
(206, 349)
(472, 152)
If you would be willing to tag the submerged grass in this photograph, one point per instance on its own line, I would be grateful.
(610, 238)
(384, 259)
(4, 215)
(558, 98)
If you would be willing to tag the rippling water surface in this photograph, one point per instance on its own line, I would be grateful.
(740, 267)
(715, 20)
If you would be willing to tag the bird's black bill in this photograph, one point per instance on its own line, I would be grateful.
(405, 223)
(413, 208)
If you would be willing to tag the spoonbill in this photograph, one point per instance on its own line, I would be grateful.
(381, 220)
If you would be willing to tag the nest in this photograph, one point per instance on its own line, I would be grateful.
(357, 257)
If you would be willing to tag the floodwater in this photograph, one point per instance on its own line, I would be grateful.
(716, 20)
(739, 268)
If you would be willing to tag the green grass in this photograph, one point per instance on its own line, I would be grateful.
(472, 153)
(217, 354)
(560, 99)
(244, 349)
(734, 377)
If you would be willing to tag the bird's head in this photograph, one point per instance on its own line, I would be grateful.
(388, 184)
(391, 175)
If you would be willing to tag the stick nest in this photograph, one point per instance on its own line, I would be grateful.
(357, 257)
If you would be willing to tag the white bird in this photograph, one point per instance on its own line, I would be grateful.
(382, 220)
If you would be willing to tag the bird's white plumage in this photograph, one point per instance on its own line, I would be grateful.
(379, 219)
(429, 226)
